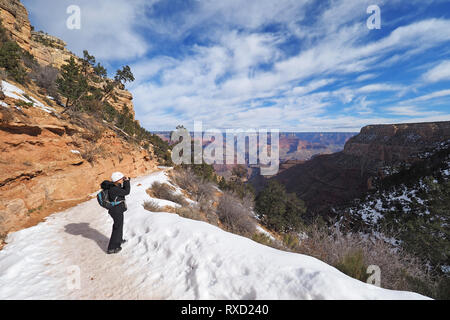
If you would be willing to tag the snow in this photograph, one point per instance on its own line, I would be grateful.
(166, 257)
(3, 104)
(263, 231)
(14, 92)
(75, 151)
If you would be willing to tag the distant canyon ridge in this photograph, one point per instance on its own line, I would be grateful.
(295, 148)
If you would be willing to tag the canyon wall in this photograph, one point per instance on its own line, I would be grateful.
(49, 160)
(329, 180)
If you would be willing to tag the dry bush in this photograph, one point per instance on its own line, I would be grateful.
(262, 238)
(152, 206)
(212, 218)
(207, 207)
(190, 212)
(45, 77)
(267, 241)
(186, 179)
(90, 153)
(353, 253)
(235, 217)
(6, 115)
(198, 189)
(291, 241)
(206, 192)
(3, 74)
(164, 191)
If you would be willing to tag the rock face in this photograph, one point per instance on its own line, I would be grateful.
(47, 159)
(50, 161)
(396, 143)
(329, 180)
(14, 18)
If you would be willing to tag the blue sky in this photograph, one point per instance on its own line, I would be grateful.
(288, 64)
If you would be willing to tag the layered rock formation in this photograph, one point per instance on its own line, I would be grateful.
(50, 161)
(396, 143)
(329, 180)
(14, 18)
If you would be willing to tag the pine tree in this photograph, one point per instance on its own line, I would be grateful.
(125, 75)
(87, 61)
(279, 211)
(100, 71)
(72, 84)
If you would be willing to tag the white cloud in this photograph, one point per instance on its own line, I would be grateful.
(411, 111)
(108, 28)
(438, 73)
(379, 87)
(312, 86)
(430, 96)
(365, 77)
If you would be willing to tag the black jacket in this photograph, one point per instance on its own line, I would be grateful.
(117, 193)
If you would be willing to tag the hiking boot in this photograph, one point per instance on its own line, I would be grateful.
(112, 251)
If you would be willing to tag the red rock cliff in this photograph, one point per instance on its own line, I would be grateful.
(50, 161)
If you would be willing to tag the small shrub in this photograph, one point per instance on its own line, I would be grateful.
(152, 206)
(90, 153)
(262, 238)
(235, 217)
(6, 115)
(290, 240)
(164, 191)
(22, 103)
(200, 189)
(212, 218)
(190, 212)
(45, 77)
(185, 179)
(353, 265)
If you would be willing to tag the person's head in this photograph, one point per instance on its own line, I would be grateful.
(117, 178)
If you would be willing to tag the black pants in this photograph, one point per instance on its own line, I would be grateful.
(117, 230)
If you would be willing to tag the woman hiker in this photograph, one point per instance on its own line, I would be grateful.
(118, 189)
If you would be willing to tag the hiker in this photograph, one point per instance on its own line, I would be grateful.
(117, 190)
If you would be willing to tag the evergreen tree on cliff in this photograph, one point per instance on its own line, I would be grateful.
(72, 84)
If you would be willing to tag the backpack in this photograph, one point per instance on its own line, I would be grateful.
(103, 200)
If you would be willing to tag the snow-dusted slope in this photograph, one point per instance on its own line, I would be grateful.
(14, 92)
(166, 257)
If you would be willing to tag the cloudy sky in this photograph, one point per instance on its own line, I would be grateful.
(293, 65)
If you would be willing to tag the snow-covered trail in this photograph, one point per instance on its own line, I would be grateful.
(166, 257)
(39, 262)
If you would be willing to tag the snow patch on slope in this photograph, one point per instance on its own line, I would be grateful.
(166, 257)
(14, 92)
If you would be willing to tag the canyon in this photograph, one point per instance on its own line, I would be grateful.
(333, 179)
